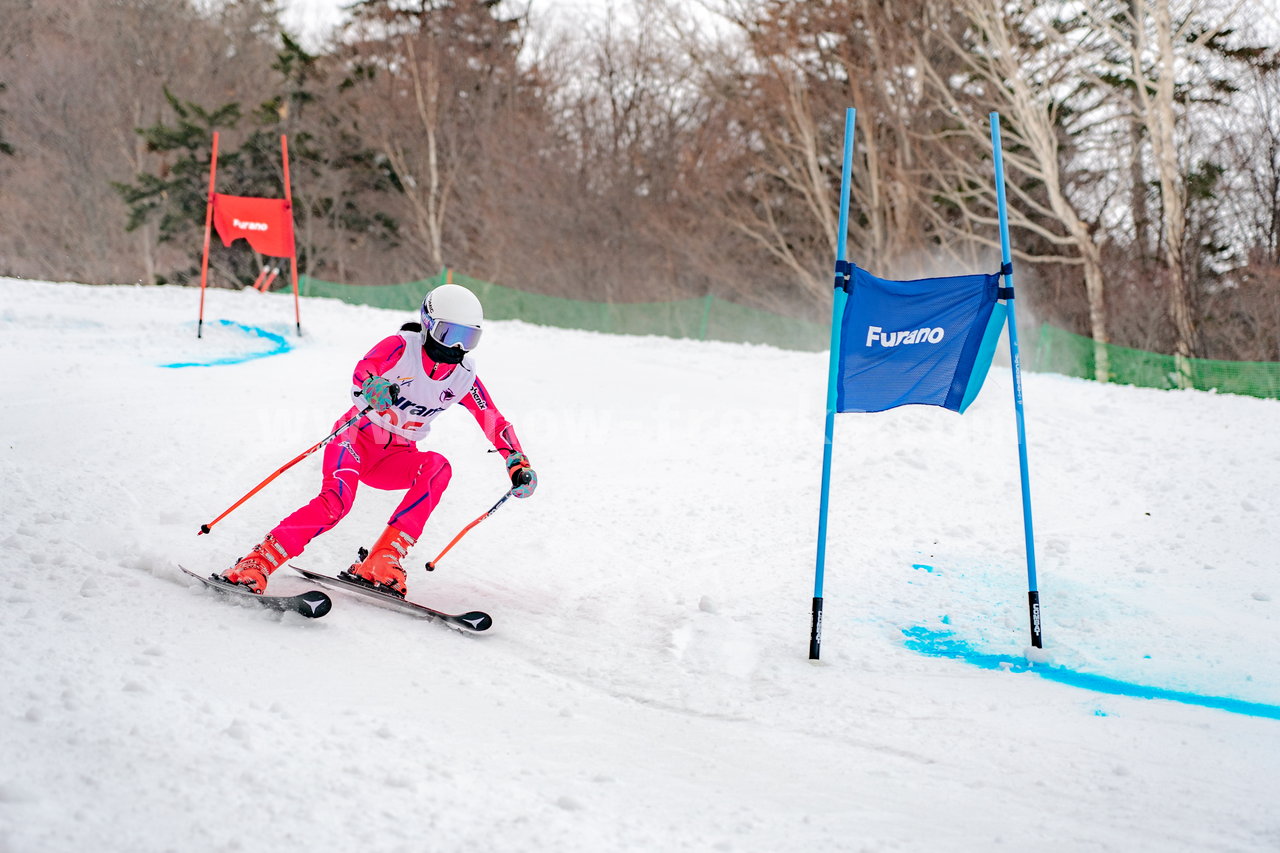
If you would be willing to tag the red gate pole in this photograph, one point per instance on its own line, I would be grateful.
(293, 257)
(208, 219)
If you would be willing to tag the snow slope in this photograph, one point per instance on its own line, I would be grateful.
(646, 684)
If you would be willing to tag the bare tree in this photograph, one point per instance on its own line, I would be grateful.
(1027, 67)
(1251, 133)
(83, 76)
(1158, 47)
(799, 67)
(432, 80)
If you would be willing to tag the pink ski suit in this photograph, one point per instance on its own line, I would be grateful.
(380, 450)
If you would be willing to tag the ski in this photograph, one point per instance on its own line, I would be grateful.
(473, 621)
(312, 604)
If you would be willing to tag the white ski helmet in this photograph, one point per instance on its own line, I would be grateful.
(452, 317)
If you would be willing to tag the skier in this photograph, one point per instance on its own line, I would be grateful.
(408, 379)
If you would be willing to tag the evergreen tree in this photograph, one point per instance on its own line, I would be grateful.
(335, 179)
(176, 195)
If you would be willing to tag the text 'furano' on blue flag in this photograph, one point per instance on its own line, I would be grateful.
(924, 342)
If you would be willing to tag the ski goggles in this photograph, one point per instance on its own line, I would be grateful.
(453, 334)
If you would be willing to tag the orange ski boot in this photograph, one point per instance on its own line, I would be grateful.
(252, 569)
(381, 569)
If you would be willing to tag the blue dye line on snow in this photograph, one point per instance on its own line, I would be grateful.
(281, 346)
(947, 645)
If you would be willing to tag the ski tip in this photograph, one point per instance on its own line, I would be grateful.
(314, 604)
(476, 620)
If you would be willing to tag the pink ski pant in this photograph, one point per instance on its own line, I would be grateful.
(357, 456)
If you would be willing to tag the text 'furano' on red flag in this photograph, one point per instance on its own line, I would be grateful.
(266, 223)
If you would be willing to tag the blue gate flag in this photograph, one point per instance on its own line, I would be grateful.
(928, 342)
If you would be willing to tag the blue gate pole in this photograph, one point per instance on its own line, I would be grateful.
(1033, 594)
(839, 297)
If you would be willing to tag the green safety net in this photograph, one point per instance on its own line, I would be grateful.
(1060, 351)
(708, 318)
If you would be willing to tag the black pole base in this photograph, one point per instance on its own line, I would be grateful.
(815, 630)
(1033, 606)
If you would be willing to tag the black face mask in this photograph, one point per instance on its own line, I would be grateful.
(441, 354)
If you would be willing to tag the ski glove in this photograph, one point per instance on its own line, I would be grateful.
(380, 392)
(523, 479)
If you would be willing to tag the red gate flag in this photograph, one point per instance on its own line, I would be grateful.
(265, 222)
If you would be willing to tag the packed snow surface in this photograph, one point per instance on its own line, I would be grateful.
(646, 685)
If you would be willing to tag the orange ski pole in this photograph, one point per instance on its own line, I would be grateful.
(431, 565)
(205, 528)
